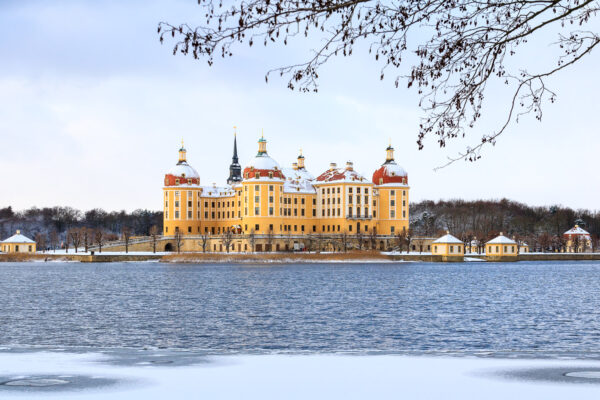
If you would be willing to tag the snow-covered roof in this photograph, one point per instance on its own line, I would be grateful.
(447, 238)
(298, 181)
(341, 175)
(18, 238)
(501, 239)
(576, 230)
(393, 169)
(263, 161)
(183, 169)
(216, 191)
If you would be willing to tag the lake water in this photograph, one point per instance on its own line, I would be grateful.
(551, 307)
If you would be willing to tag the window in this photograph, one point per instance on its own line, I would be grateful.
(435, 249)
(392, 229)
(328, 191)
(350, 199)
(505, 249)
(392, 192)
(256, 211)
(403, 214)
(349, 190)
(349, 211)
(374, 214)
(270, 188)
(271, 227)
(302, 212)
(270, 210)
(314, 212)
(392, 214)
(256, 199)
(256, 188)
(206, 204)
(256, 227)
(176, 214)
(393, 203)
(189, 215)
(206, 214)
(451, 249)
(176, 203)
(295, 228)
(366, 211)
(302, 201)
(257, 175)
(314, 202)
(357, 190)
(189, 229)
(314, 228)
(350, 228)
(366, 190)
(177, 181)
(366, 199)
(189, 203)
(271, 175)
(212, 204)
(295, 200)
(270, 199)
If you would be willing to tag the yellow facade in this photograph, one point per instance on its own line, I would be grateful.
(501, 248)
(267, 202)
(18, 244)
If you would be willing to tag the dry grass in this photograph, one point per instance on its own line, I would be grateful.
(275, 257)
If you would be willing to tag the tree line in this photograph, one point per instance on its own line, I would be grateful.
(64, 227)
(541, 227)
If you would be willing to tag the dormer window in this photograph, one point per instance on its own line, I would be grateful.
(189, 181)
(381, 181)
(166, 181)
(257, 175)
(271, 175)
(177, 181)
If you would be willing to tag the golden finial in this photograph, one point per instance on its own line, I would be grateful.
(234, 130)
(262, 133)
(300, 151)
(390, 141)
(182, 143)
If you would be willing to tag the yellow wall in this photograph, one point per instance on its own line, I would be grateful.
(501, 249)
(18, 247)
(447, 249)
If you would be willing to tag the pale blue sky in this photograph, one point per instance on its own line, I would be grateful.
(92, 110)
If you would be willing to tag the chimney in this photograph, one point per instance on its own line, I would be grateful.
(332, 166)
(349, 166)
(295, 165)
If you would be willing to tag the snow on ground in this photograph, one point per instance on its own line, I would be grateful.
(107, 253)
(298, 377)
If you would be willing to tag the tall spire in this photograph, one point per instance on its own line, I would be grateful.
(235, 170)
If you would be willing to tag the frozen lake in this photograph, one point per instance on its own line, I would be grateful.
(411, 330)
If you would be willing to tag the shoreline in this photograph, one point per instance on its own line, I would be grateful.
(281, 258)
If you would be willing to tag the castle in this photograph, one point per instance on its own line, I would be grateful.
(264, 205)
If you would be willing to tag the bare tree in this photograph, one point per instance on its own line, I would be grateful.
(252, 240)
(373, 238)
(40, 241)
(99, 239)
(270, 237)
(126, 236)
(310, 242)
(359, 236)
(86, 237)
(75, 236)
(178, 237)
(226, 239)
(401, 239)
(344, 241)
(319, 242)
(204, 241)
(461, 47)
(154, 233)
(54, 239)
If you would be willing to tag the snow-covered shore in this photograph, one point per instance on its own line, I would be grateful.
(293, 377)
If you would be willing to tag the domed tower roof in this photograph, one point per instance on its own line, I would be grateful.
(390, 172)
(262, 166)
(182, 173)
